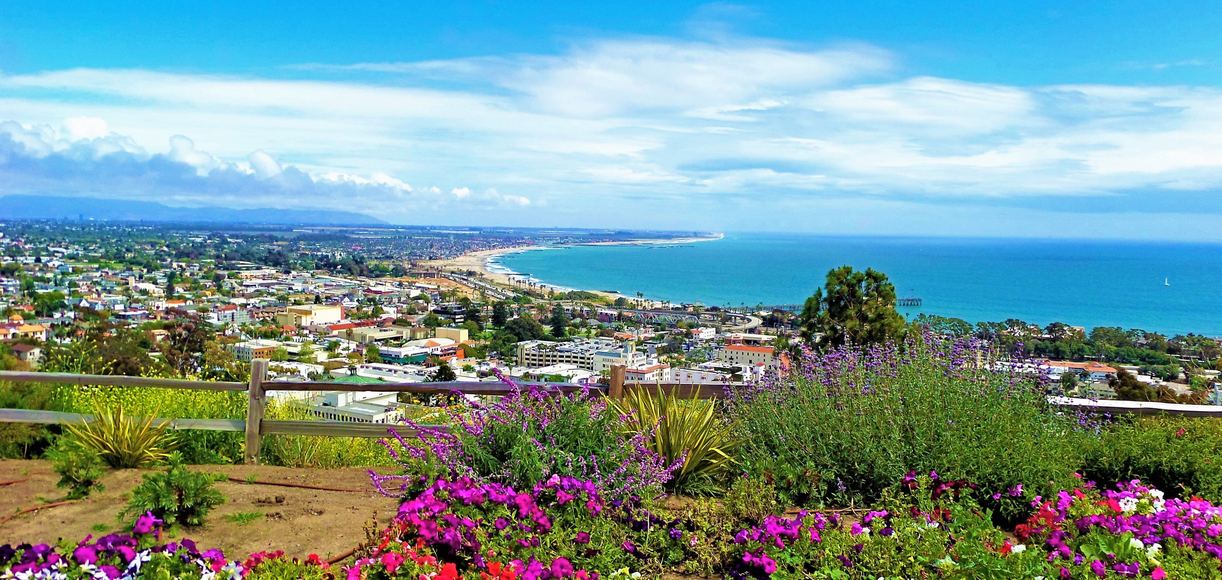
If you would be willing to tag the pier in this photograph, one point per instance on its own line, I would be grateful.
(908, 302)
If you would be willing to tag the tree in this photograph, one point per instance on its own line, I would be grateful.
(373, 354)
(525, 328)
(500, 314)
(170, 278)
(46, 303)
(1128, 388)
(852, 308)
(443, 373)
(306, 354)
(184, 345)
(1069, 381)
(559, 321)
(944, 325)
(431, 320)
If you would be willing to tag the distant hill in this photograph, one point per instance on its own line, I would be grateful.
(51, 207)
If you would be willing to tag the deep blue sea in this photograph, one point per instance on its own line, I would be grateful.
(1083, 283)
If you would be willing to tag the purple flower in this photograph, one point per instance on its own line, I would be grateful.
(561, 568)
(85, 554)
(146, 524)
(582, 538)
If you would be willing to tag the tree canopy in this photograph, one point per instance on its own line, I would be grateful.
(852, 308)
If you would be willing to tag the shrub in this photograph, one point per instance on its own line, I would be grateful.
(176, 495)
(1182, 456)
(847, 424)
(196, 446)
(684, 432)
(123, 441)
(750, 499)
(527, 437)
(22, 440)
(80, 470)
(318, 452)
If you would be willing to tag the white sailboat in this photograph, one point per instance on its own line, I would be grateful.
(1166, 281)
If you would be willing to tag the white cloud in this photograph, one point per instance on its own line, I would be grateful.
(607, 123)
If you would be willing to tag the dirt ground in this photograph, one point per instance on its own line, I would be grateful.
(298, 521)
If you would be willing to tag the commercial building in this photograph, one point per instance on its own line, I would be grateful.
(581, 353)
(311, 315)
(253, 349)
(458, 335)
(747, 356)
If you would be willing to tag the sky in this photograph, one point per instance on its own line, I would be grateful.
(1043, 119)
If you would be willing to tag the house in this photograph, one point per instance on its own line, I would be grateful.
(29, 353)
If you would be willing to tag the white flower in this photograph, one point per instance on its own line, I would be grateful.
(1018, 549)
(1137, 544)
(1128, 504)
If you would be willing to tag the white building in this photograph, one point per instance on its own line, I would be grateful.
(745, 355)
(581, 353)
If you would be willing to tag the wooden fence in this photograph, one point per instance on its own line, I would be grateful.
(255, 425)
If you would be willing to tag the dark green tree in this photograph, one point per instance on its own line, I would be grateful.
(443, 373)
(559, 321)
(500, 314)
(852, 308)
(170, 278)
(1128, 388)
(525, 328)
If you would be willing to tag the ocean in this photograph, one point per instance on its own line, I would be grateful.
(1172, 288)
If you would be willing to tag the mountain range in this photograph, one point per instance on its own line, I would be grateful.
(89, 208)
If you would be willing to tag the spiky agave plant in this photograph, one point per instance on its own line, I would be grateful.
(123, 441)
(679, 428)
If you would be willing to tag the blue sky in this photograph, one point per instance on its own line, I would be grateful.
(1059, 119)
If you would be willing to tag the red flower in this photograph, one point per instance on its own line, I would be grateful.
(448, 572)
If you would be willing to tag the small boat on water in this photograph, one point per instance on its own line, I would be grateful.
(1166, 281)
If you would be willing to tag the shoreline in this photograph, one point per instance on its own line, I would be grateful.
(482, 261)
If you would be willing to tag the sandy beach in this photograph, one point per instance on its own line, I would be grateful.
(478, 261)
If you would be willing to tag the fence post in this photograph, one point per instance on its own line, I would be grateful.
(616, 389)
(255, 407)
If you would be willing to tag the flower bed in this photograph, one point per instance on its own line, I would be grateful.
(543, 487)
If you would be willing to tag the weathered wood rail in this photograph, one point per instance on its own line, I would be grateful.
(255, 425)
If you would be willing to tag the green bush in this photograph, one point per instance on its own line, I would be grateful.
(849, 424)
(23, 440)
(318, 452)
(176, 495)
(196, 446)
(750, 499)
(1179, 455)
(123, 441)
(687, 429)
(80, 470)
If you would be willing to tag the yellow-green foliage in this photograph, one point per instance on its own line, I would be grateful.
(122, 440)
(176, 403)
(196, 446)
(323, 452)
(683, 428)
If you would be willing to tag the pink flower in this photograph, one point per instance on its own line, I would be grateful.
(392, 561)
(1158, 574)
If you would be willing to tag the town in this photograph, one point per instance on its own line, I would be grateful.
(146, 295)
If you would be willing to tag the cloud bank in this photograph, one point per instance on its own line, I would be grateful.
(652, 132)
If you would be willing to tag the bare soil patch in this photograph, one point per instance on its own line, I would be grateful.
(298, 521)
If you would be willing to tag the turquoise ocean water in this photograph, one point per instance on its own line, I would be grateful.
(1085, 283)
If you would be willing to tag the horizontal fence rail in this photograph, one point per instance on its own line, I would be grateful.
(256, 426)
